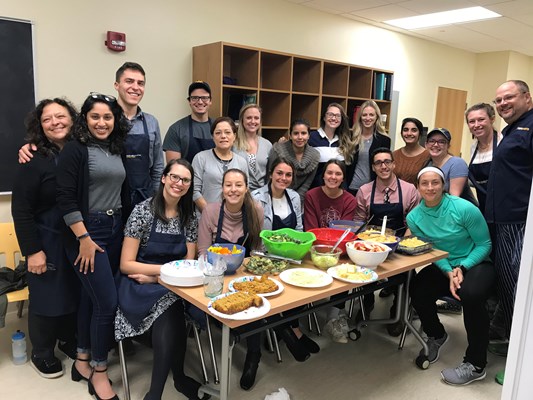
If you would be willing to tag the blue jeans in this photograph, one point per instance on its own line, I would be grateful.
(98, 301)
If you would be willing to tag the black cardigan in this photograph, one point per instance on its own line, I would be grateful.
(379, 141)
(73, 186)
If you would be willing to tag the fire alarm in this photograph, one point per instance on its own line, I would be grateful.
(116, 41)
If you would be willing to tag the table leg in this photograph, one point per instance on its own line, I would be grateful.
(227, 349)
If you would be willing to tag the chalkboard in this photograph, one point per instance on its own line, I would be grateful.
(17, 93)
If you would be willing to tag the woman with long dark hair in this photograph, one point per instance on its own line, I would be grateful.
(93, 197)
(412, 157)
(54, 288)
(159, 230)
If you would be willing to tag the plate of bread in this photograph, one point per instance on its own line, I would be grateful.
(260, 285)
(239, 306)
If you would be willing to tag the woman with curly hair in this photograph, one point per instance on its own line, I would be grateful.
(93, 198)
(368, 135)
(53, 284)
(333, 140)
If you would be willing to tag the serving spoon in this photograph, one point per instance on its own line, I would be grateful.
(346, 232)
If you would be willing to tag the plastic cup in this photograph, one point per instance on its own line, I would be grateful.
(213, 283)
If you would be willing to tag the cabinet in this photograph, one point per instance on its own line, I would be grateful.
(286, 86)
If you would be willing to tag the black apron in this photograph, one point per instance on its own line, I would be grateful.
(197, 145)
(394, 212)
(240, 240)
(136, 299)
(57, 291)
(479, 175)
(137, 148)
(289, 221)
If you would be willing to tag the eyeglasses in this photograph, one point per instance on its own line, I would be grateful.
(105, 97)
(176, 178)
(331, 115)
(507, 98)
(196, 99)
(378, 163)
(440, 142)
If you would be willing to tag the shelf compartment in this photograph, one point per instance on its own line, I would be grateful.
(306, 75)
(241, 66)
(273, 134)
(234, 99)
(276, 71)
(305, 106)
(360, 83)
(276, 107)
(335, 79)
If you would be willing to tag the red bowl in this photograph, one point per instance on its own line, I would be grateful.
(330, 236)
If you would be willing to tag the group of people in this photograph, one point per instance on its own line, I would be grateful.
(97, 212)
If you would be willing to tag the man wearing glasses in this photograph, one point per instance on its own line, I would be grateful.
(508, 190)
(144, 155)
(192, 134)
(386, 196)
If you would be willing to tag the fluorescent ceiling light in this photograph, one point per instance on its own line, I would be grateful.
(443, 18)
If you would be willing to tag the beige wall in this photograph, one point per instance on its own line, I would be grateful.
(71, 59)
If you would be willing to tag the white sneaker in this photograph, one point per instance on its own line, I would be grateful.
(334, 328)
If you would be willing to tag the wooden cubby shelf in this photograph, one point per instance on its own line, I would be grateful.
(286, 86)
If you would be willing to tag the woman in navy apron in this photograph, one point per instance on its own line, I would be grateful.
(237, 219)
(159, 230)
(282, 209)
(54, 288)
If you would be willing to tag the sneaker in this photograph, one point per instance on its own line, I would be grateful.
(396, 329)
(47, 367)
(499, 377)
(335, 329)
(462, 375)
(434, 347)
(499, 349)
(448, 307)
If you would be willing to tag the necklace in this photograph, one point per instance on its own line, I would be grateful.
(224, 163)
(103, 151)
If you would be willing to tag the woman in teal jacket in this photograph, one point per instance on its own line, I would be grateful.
(456, 226)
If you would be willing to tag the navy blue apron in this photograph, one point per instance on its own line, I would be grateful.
(197, 145)
(479, 175)
(240, 240)
(136, 299)
(56, 292)
(137, 148)
(289, 221)
(394, 212)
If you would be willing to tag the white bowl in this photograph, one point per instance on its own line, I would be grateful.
(368, 259)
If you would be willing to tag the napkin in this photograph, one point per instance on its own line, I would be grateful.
(281, 394)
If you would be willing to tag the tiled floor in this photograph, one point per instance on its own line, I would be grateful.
(371, 368)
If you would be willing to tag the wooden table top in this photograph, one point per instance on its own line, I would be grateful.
(293, 296)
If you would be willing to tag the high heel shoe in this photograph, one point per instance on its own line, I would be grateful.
(249, 371)
(92, 390)
(297, 349)
(76, 376)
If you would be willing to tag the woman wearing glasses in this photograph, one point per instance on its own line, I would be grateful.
(54, 287)
(454, 168)
(412, 157)
(237, 219)
(333, 139)
(304, 157)
(368, 135)
(251, 145)
(93, 196)
(210, 165)
(159, 230)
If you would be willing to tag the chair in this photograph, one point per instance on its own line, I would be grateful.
(10, 248)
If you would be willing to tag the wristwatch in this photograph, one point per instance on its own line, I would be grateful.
(86, 234)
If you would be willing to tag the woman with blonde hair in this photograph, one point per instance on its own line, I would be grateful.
(368, 135)
(333, 139)
(251, 145)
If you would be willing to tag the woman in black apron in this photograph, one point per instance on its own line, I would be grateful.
(159, 230)
(237, 219)
(282, 209)
(54, 288)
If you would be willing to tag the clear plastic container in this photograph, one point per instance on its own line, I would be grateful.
(18, 345)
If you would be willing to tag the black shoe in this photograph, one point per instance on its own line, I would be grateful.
(450, 307)
(297, 349)
(387, 291)
(69, 349)
(368, 311)
(309, 344)
(395, 329)
(92, 390)
(249, 370)
(47, 367)
(189, 387)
